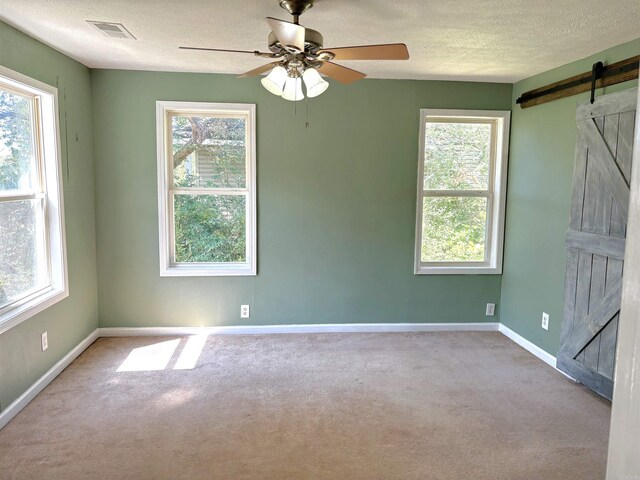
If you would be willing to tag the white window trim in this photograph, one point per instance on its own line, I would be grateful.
(496, 196)
(19, 311)
(165, 211)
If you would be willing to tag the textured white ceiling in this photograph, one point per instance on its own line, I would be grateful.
(481, 40)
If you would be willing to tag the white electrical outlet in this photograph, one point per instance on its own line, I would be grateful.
(244, 311)
(44, 341)
(491, 309)
(545, 321)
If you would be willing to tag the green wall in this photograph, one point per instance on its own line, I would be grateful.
(336, 206)
(72, 319)
(538, 201)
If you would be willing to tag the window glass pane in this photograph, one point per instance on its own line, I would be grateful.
(210, 228)
(17, 170)
(22, 264)
(453, 229)
(209, 152)
(456, 156)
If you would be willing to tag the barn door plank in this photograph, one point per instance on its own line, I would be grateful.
(625, 142)
(610, 134)
(596, 243)
(583, 288)
(596, 296)
(620, 102)
(601, 157)
(579, 180)
(610, 128)
(594, 321)
(570, 291)
(594, 380)
(591, 354)
(608, 339)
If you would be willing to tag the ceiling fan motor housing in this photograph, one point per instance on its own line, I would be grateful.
(296, 7)
(312, 41)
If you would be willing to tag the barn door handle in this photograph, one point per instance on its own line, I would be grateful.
(596, 72)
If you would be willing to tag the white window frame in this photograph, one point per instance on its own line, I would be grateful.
(168, 266)
(50, 191)
(495, 194)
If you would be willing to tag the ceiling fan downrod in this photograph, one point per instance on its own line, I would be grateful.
(296, 7)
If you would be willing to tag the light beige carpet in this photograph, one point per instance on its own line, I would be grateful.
(320, 406)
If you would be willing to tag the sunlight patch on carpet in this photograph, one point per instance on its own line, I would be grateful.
(149, 358)
(191, 352)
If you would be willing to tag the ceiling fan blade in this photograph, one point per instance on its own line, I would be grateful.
(340, 73)
(253, 52)
(389, 51)
(290, 35)
(259, 70)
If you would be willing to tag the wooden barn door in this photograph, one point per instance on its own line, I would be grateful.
(596, 239)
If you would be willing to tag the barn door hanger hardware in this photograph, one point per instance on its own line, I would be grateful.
(596, 72)
(600, 76)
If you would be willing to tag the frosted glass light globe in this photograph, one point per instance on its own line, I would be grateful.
(293, 89)
(274, 82)
(314, 82)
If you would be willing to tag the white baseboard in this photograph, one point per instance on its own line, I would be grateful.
(23, 400)
(527, 345)
(533, 348)
(313, 328)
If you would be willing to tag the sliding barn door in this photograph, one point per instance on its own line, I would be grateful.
(596, 239)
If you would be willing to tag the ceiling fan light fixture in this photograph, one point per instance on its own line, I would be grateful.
(293, 89)
(298, 56)
(275, 81)
(314, 82)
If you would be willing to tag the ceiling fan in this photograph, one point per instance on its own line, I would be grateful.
(301, 55)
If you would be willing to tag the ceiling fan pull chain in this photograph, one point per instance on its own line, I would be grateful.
(306, 125)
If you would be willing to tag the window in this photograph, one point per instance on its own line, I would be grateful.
(461, 191)
(206, 182)
(32, 249)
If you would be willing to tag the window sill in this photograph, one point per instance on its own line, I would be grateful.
(454, 270)
(231, 270)
(18, 314)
